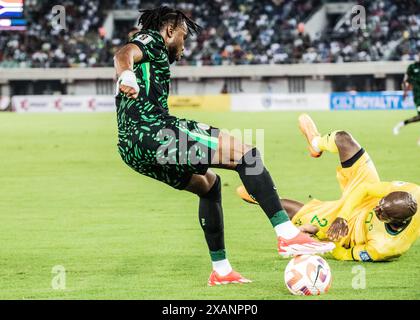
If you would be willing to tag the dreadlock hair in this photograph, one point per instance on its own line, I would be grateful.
(157, 18)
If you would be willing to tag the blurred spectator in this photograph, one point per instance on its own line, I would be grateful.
(234, 32)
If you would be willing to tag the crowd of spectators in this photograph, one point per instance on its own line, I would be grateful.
(391, 32)
(46, 44)
(234, 32)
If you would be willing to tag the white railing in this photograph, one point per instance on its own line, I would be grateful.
(202, 72)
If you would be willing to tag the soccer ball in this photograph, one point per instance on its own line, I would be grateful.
(307, 275)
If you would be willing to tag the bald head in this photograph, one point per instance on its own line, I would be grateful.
(397, 207)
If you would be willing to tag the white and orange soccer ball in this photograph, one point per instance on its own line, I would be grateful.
(307, 275)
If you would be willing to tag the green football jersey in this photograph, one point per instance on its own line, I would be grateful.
(153, 77)
(150, 140)
(413, 73)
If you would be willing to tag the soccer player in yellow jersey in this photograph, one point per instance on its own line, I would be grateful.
(373, 220)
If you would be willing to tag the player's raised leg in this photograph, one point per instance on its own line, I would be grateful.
(246, 160)
(339, 141)
(311, 133)
(208, 188)
(353, 170)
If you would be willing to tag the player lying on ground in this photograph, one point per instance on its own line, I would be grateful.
(179, 152)
(411, 82)
(373, 220)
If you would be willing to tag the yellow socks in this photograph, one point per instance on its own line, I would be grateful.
(326, 142)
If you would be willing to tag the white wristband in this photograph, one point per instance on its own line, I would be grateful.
(127, 78)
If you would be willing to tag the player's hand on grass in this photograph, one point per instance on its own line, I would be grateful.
(338, 229)
(127, 84)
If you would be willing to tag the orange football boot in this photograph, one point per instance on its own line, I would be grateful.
(310, 131)
(241, 191)
(302, 244)
(232, 277)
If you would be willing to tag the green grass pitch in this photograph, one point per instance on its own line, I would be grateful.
(67, 199)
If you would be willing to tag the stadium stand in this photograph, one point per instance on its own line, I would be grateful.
(80, 45)
(234, 33)
(392, 33)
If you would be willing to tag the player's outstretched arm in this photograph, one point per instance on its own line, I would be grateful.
(339, 227)
(378, 190)
(372, 251)
(124, 61)
(365, 252)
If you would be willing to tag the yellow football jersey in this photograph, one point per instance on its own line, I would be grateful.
(370, 239)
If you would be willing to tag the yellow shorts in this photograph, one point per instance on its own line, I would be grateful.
(323, 213)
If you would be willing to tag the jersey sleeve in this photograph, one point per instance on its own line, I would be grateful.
(343, 254)
(378, 190)
(379, 249)
(149, 45)
(365, 252)
(376, 250)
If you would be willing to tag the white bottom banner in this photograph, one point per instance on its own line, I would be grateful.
(280, 102)
(63, 104)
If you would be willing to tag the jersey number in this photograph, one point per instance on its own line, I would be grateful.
(321, 224)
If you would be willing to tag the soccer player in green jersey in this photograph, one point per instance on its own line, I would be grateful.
(411, 82)
(179, 152)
